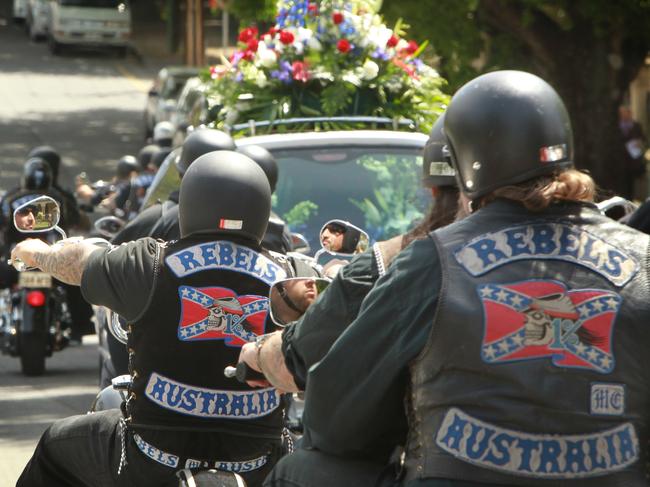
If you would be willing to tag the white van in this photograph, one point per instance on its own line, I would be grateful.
(93, 23)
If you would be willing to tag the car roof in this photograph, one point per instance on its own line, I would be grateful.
(347, 138)
(180, 70)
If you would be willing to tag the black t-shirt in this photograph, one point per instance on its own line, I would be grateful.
(122, 278)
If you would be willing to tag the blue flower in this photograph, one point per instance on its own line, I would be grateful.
(380, 54)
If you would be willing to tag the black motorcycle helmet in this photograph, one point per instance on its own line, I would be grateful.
(436, 169)
(146, 154)
(37, 174)
(159, 157)
(506, 127)
(265, 160)
(125, 166)
(50, 156)
(200, 142)
(224, 192)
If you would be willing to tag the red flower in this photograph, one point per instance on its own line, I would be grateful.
(252, 45)
(337, 18)
(299, 71)
(286, 37)
(248, 55)
(410, 70)
(343, 46)
(392, 42)
(272, 31)
(248, 34)
(411, 48)
(312, 8)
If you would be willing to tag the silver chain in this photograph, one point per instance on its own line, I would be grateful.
(379, 259)
(289, 440)
(123, 432)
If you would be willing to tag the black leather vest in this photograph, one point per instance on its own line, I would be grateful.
(210, 298)
(537, 368)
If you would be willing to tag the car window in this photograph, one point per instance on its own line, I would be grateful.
(377, 189)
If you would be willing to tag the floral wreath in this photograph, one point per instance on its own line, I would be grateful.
(330, 58)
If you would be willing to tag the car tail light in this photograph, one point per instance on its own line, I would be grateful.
(36, 299)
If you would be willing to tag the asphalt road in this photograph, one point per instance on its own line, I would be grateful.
(89, 106)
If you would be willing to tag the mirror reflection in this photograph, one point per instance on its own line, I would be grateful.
(342, 237)
(290, 298)
(38, 215)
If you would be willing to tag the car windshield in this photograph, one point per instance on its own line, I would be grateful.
(375, 188)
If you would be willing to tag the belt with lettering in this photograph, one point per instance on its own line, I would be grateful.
(543, 456)
(174, 461)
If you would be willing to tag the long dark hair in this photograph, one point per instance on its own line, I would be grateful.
(443, 211)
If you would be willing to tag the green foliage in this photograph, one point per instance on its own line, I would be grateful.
(300, 213)
(394, 209)
(252, 11)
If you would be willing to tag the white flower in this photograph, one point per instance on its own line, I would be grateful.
(261, 80)
(304, 34)
(314, 44)
(379, 35)
(369, 70)
(402, 44)
(265, 56)
(351, 77)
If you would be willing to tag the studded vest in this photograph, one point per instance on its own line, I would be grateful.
(537, 370)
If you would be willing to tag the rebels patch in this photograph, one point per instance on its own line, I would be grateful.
(223, 255)
(547, 241)
(210, 403)
(541, 456)
(536, 319)
(218, 313)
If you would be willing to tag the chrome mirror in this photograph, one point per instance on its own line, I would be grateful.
(290, 298)
(41, 214)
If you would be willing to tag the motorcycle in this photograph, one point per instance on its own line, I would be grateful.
(35, 318)
(36, 321)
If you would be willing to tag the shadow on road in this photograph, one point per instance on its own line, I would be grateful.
(89, 140)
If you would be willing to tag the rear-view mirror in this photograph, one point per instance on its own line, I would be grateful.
(41, 214)
(290, 298)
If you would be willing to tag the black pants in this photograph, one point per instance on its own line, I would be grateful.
(312, 468)
(81, 312)
(84, 451)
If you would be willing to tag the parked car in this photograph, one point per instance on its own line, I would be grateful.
(89, 23)
(370, 178)
(163, 95)
(38, 19)
(19, 10)
(191, 108)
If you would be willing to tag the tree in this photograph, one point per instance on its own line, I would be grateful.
(589, 50)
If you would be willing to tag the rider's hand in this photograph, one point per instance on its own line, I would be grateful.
(26, 249)
(248, 354)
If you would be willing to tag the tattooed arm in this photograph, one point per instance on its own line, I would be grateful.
(65, 262)
(268, 357)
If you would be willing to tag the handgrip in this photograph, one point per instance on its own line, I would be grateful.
(18, 264)
(243, 373)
